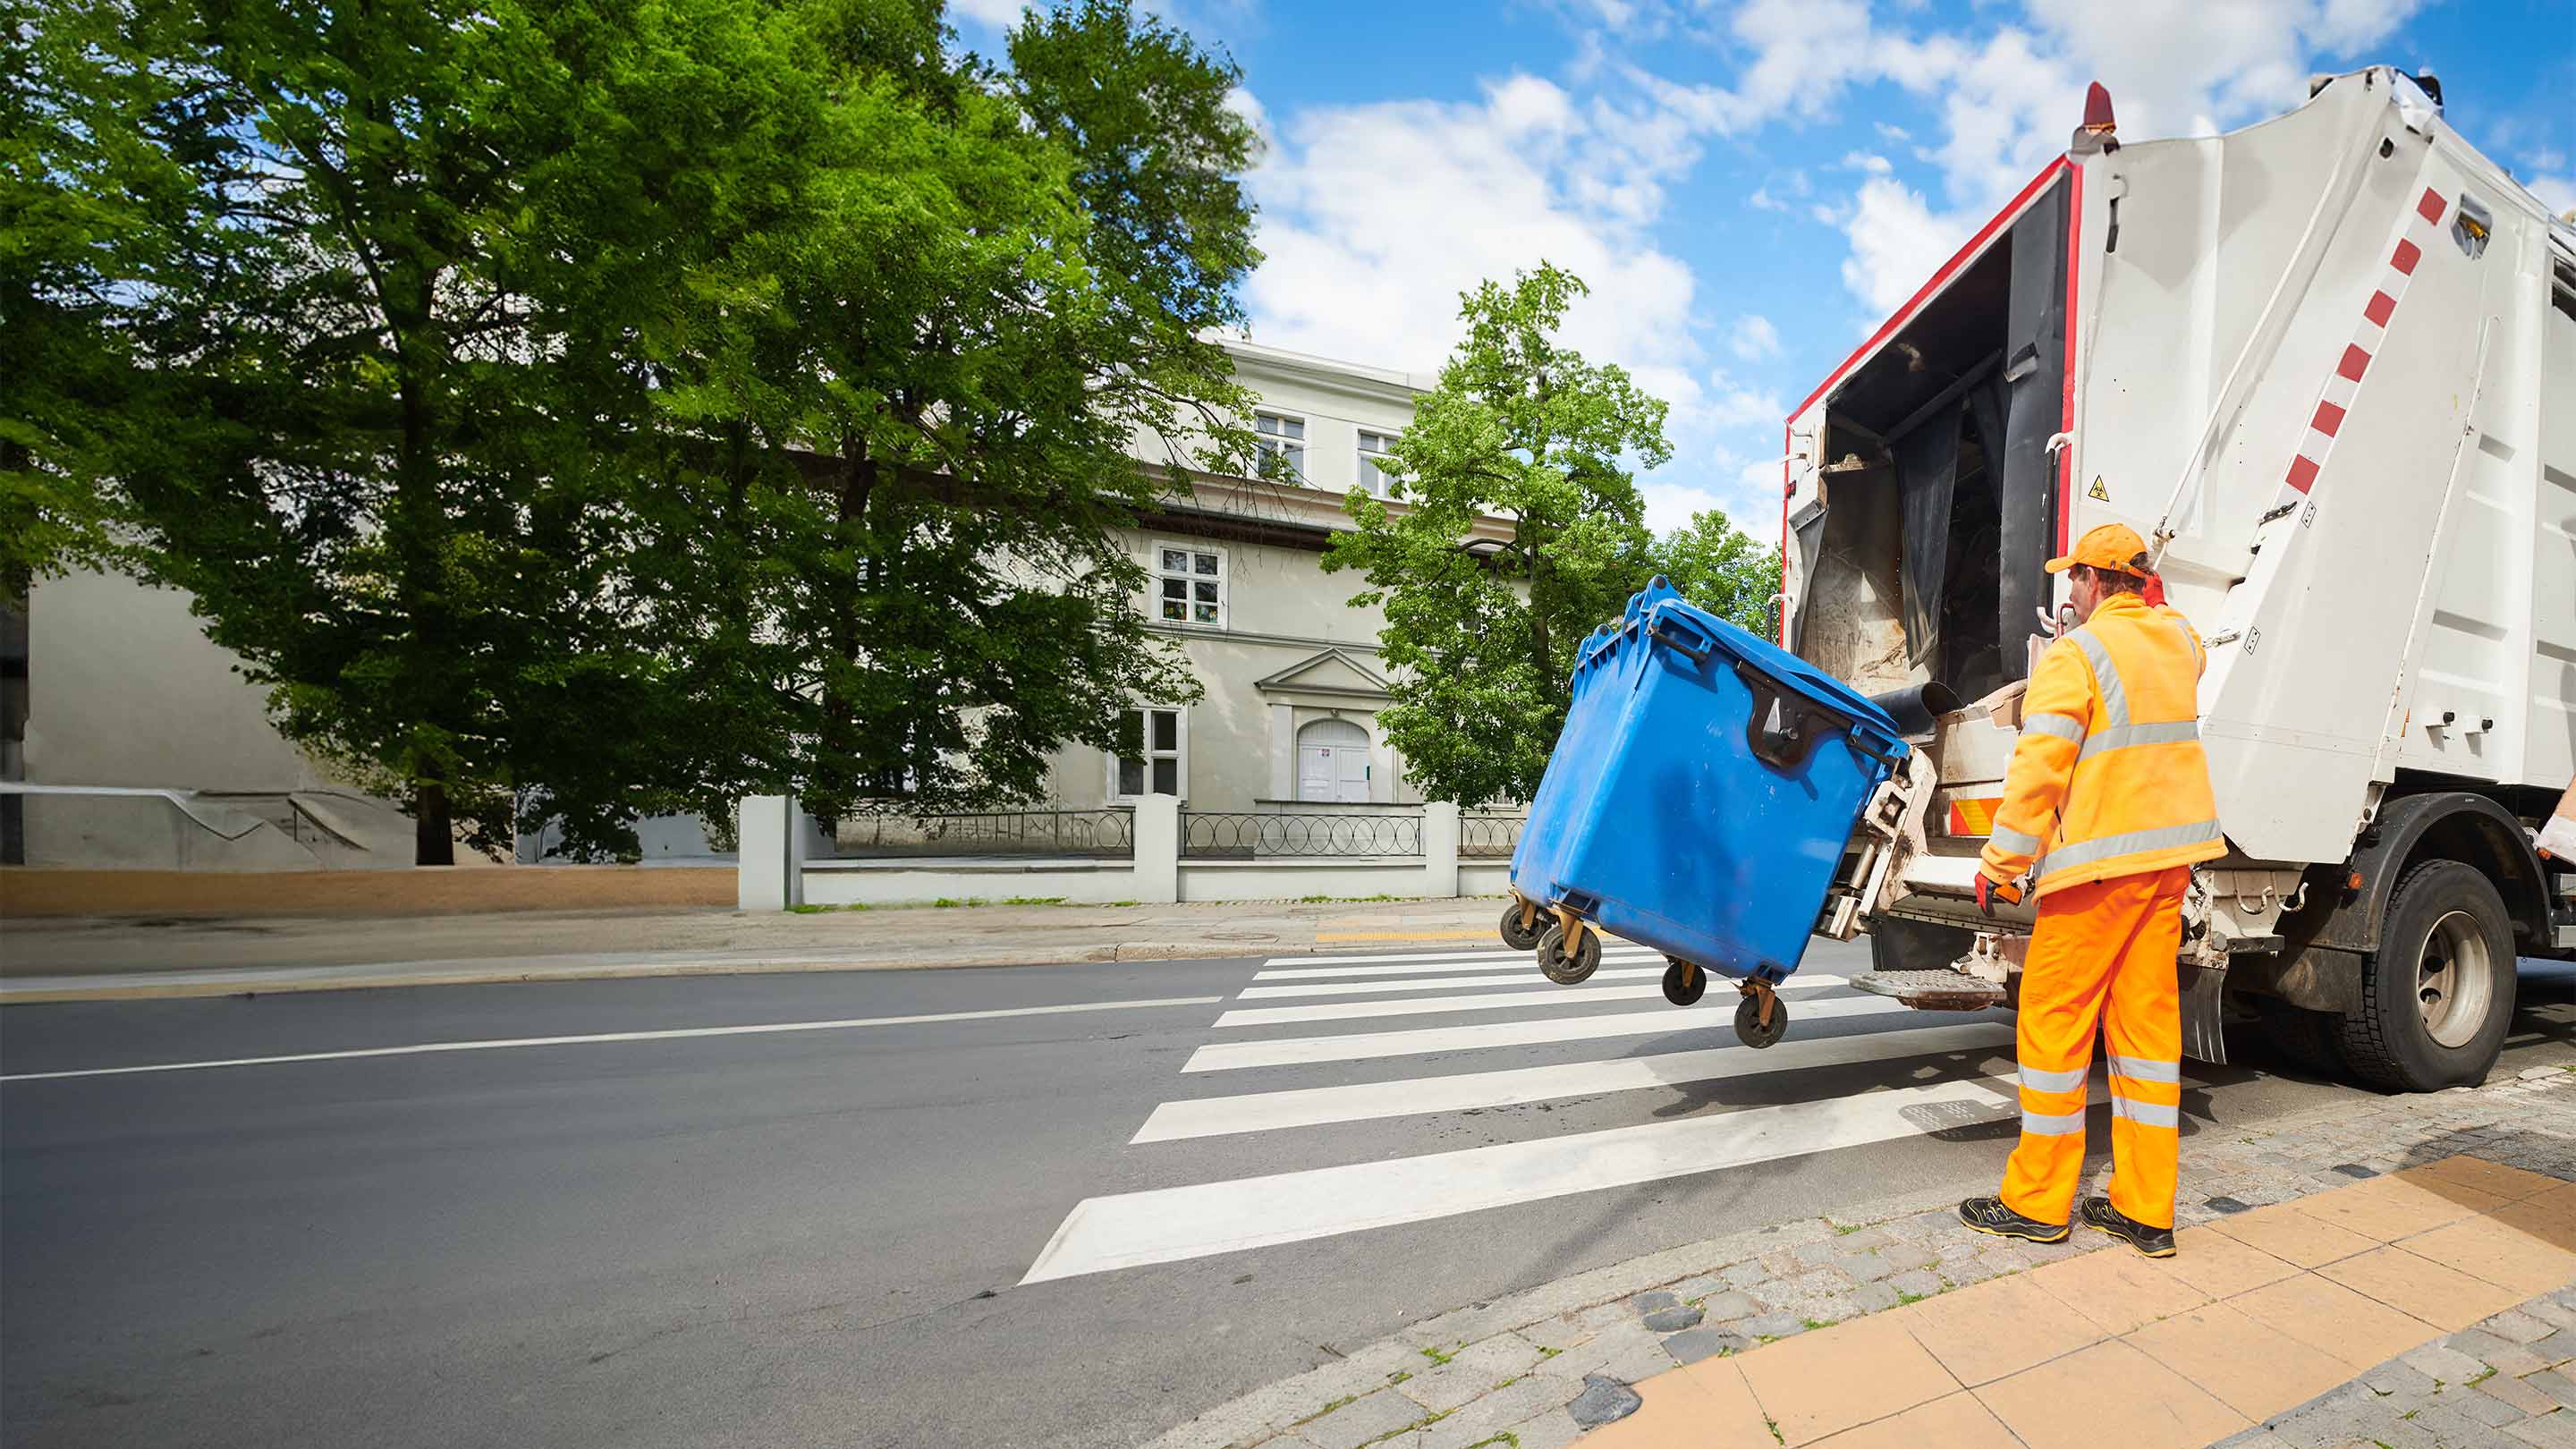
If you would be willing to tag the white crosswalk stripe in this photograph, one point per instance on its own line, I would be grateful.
(1362, 1046)
(1313, 1106)
(1430, 983)
(1544, 995)
(1943, 1071)
(1498, 961)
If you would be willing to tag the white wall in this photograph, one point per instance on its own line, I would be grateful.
(124, 688)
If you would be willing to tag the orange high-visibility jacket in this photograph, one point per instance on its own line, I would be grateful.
(2108, 772)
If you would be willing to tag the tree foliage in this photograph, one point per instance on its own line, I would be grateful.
(626, 405)
(1482, 638)
(1482, 641)
(1720, 568)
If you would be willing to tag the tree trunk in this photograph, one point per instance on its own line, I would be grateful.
(433, 834)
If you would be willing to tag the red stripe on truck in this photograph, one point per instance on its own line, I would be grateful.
(2328, 418)
(2303, 472)
(2431, 206)
(2406, 256)
(2380, 308)
(2355, 362)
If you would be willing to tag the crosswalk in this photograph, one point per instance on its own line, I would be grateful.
(1473, 1031)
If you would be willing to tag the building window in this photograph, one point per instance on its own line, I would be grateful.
(1189, 585)
(1373, 446)
(1161, 764)
(1280, 440)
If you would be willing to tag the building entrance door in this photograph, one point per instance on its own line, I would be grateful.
(1333, 762)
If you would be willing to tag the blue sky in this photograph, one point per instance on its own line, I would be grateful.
(1750, 185)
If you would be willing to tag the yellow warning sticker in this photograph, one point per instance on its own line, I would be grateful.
(2097, 492)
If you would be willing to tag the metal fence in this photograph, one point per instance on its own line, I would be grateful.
(1078, 833)
(1224, 835)
(1489, 837)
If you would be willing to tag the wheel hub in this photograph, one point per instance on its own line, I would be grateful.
(2453, 979)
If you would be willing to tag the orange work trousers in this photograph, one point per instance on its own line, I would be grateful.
(2101, 959)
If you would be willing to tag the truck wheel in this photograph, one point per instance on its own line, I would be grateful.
(2311, 1041)
(2437, 996)
(1516, 936)
(1566, 970)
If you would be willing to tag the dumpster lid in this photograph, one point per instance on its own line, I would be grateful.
(1660, 597)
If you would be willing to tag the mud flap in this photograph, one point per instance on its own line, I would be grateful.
(2202, 990)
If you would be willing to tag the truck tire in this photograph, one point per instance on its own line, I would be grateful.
(2437, 996)
(2311, 1041)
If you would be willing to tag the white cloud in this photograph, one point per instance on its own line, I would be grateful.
(2558, 193)
(1000, 14)
(1763, 200)
(1897, 242)
(1872, 163)
(1731, 405)
(1375, 217)
(1754, 338)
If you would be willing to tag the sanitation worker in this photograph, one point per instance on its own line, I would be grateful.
(2108, 776)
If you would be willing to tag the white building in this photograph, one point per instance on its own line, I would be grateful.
(121, 688)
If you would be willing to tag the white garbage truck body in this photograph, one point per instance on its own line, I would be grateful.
(2327, 364)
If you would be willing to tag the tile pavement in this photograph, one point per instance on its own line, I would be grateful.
(2325, 1260)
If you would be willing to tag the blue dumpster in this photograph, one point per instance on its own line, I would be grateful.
(1701, 794)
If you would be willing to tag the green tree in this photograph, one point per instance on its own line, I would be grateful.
(1719, 567)
(1482, 642)
(936, 371)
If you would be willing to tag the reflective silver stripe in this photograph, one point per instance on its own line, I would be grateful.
(2039, 1081)
(2145, 1114)
(2059, 725)
(2018, 842)
(2085, 852)
(2106, 678)
(2145, 734)
(2052, 1124)
(2146, 1069)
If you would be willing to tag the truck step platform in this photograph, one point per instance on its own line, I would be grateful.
(1936, 990)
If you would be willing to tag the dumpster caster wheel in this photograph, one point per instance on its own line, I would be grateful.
(1684, 983)
(1748, 1021)
(1521, 929)
(1566, 970)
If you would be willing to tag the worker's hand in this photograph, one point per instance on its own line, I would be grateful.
(1988, 892)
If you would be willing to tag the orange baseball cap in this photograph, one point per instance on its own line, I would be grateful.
(2113, 546)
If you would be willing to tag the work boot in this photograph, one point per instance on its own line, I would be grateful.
(1989, 1215)
(2154, 1242)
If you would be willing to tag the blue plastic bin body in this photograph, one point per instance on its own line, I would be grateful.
(1703, 789)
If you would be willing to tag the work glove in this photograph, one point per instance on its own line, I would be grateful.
(1988, 893)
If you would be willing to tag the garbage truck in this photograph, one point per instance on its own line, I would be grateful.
(2326, 365)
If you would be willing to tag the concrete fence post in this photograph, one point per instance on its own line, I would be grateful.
(1440, 849)
(1158, 849)
(763, 831)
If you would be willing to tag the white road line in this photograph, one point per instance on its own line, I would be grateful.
(1362, 1101)
(1608, 943)
(1169, 1224)
(1362, 1046)
(1483, 961)
(1527, 976)
(674, 1034)
(1545, 996)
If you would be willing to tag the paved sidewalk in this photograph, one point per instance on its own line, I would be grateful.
(98, 959)
(2398, 1272)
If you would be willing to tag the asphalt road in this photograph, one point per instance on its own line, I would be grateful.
(906, 1233)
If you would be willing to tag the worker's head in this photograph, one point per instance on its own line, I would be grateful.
(2108, 560)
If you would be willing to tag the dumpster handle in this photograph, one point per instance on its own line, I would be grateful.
(1782, 727)
(1664, 629)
